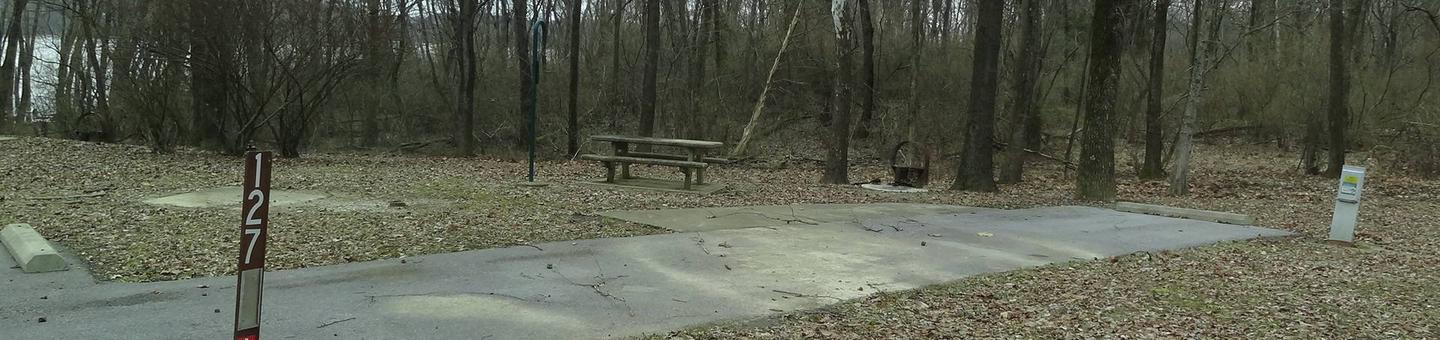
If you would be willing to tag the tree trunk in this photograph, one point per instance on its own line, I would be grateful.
(1260, 48)
(1199, 62)
(917, 41)
(465, 89)
(617, 94)
(1096, 176)
(1354, 30)
(1154, 166)
(1023, 108)
(765, 89)
(13, 36)
(867, 70)
(64, 76)
(699, 43)
(95, 53)
(210, 64)
(652, 64)
(1339, 89)
(977, 170)
(520, 23)
(573, 144)
(718, 32)
(23, 111)
(837, 155)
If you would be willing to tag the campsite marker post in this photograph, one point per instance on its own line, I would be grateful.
(1347, 204)
(255, 217)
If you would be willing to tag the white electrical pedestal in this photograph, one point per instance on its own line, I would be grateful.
(1347, 204)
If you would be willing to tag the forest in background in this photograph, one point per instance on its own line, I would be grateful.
(988, 84)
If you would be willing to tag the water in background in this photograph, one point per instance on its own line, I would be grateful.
(42, 77)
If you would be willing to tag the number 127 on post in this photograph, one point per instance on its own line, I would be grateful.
(255, 210)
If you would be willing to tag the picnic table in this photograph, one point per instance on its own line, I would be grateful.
(692, 161)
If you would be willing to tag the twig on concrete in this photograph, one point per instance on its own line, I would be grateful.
(794, 218)
(327, 324)
(788, 293)
(700, 241)
(805, 295)
(524, 245)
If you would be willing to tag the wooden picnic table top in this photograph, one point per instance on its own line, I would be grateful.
(684, 143)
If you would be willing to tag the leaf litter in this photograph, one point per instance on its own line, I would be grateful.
(1385, 287)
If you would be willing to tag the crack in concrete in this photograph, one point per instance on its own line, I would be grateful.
(794, 218)
(541, 298)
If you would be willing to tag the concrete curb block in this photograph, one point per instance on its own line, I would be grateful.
(30, 250)
(1193, 214)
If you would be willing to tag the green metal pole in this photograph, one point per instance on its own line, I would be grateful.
(537, 31)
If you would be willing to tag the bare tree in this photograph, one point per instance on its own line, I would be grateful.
(652, 64)
(1180, 178)
(765, 88)
(616, 93)
(13, 36)
(837, 151)
(465, 87)
(867, 70)
(977, 168)
(917, 45)
(1339, 88)
(1096, 175)
(1023, 108)
(520, 23)
(573, 118)
(24, 111)
(1154, 166)
(211, 68)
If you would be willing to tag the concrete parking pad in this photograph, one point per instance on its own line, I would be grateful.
(615, 287)
(1203, 215)
(705, 219)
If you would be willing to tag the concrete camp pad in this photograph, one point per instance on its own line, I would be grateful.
(231, 196)
(1203, 215)
(31, 251)
(613, 287)
(705, 219)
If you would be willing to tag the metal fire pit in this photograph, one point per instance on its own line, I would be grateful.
(914, 172)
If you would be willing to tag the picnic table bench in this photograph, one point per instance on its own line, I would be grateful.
(693, 161)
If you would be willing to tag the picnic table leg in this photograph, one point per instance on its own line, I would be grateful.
(623, 149)
(609, 172)
(687, 177)
(697, 155)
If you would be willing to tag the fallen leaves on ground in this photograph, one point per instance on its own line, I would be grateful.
(1294, 287)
